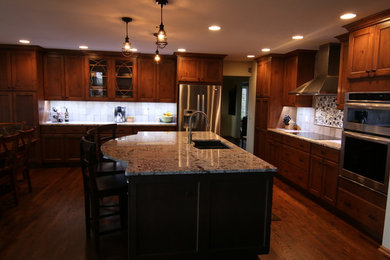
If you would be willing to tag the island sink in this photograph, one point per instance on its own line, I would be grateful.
(210, 144)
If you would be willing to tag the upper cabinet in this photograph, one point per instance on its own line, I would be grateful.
(199, 68)
(367, 65)
(63, 76)
(263, 84)
(19, 69)
(156, 82)
(111, 77)
(369, 52)
(298, 69)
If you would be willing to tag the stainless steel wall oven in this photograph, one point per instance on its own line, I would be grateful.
(365, 149)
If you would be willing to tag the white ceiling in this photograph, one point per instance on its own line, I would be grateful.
(247, 25)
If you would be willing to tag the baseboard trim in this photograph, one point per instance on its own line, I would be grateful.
(384, 250)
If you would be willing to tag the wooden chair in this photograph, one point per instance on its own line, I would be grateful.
(96, 188)
(100, 135)
(26, 137)
(8, 149)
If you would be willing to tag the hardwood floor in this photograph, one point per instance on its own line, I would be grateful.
(49, 224)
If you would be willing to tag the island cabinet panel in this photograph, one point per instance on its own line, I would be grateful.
(187, 216)
(199, 68)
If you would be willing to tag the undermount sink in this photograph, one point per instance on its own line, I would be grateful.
(210, 144)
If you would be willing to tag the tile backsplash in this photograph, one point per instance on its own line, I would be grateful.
(326, 112)
(95, 111)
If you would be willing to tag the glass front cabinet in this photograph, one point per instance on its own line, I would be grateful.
(111, 78)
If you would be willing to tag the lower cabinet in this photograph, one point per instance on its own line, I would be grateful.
(199, 216)
(324, 173)
(61, 144)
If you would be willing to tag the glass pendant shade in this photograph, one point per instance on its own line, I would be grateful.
(162, 40)
(157, 57)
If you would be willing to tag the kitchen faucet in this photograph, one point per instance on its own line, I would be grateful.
(190, 124)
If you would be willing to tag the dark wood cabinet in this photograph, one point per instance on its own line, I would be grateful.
(64, 76)
(323, 175)
(19, 69)
(17, 106)
(156, 82)
(263, 84)
(343, 80)
(198, 68)
(199, 216)
(298, 69)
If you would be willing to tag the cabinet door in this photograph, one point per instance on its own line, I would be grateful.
(147, 76)
(329, 182)
(53, 148)
(290, 80)
(72, 147)
(166, 87)
(166, 215)
(24, 70)
(212, 70)
(54, 77)
(6, 106)
(5, 70)
(74, 77)
(315, 176)
(188, 69)
(25, 107)
(381, 59)
(264, 79)
(263, 114)
(360, 52)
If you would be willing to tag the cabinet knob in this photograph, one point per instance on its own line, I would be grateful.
(367, 71)
(373, 70)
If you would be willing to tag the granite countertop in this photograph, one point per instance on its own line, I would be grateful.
(335, 144)
(89, 123)
(167, 153)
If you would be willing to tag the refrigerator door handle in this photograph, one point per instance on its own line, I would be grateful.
(198, 102)
(203, 100)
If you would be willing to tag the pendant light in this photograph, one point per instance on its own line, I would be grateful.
(161, 34)
(126, 47)
(157, 57)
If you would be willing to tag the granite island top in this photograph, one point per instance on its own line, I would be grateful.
(168, 153)
(91, 123)
(334, 144)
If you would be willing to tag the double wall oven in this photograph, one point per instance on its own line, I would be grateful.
(365, 155)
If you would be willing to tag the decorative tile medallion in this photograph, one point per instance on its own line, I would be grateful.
(326, 112)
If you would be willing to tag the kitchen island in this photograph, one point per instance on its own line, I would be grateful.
(190, 203)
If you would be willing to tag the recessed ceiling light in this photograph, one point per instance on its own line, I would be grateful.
(265, 49)
(214, 28)
(347, 16)
(181, 50)
(297, 37)
(24, 41)
(83, 47)
(134, 49)
(250, 56)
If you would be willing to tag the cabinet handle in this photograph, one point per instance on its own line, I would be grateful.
(300, 160)
(367, 71)
(372, 217)
(373, 70)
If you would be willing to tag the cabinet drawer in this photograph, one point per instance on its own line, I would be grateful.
(63, 129)
(295, 157)
(366, 213)
(325, 152)
(300, 144)
(274, 136)
(295, 174)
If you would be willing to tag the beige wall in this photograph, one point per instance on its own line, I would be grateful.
(236, 68)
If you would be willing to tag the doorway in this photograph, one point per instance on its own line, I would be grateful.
(234, 109)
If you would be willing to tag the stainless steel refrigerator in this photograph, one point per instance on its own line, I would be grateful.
(206, 98)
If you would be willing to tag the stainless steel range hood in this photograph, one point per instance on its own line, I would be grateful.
(326, 72)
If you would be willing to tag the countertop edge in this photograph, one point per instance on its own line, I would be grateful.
(87, 123)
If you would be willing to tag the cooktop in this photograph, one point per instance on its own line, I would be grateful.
(315, 136)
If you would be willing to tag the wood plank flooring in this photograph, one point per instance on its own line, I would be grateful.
(49, 224)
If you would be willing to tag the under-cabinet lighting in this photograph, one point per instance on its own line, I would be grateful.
(265, 49)
(214, 28)
(83, 47)
(347, 16)
(24, 41)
